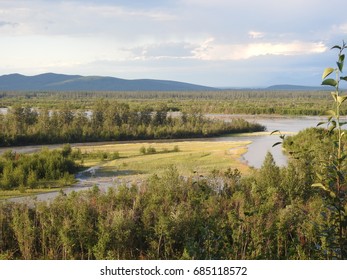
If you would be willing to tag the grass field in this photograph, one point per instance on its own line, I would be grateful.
(192, 157)
(189, 157)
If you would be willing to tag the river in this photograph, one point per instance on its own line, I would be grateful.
(261, 144)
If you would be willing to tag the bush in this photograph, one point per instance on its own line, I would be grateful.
(151, 150)
(143, 150)
(176, 149)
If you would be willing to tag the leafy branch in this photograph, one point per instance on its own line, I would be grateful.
(333, 182)
(281, 135)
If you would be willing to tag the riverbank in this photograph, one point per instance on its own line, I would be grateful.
(248, 151)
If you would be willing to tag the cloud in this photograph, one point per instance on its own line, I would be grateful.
(6, 24)
(199, 41)
(84, 18)
(211, 50)
(342, 28)
(173, 50)
(255, 34)
(109, 11)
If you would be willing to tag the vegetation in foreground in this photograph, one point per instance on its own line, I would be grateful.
(272, 213)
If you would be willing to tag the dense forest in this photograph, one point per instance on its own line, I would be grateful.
(272, 213)
(281, 102)
(108, 120)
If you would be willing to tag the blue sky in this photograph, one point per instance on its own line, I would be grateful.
(249, 43)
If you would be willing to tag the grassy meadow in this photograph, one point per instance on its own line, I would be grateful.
(191, 157)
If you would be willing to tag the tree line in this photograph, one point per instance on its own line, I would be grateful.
(108, 121)
(282, 102)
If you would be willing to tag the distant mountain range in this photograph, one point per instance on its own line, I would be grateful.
(295, 87)
(60, 82)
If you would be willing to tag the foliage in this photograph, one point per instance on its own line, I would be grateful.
(267, 101)
(32, 171)
(324, 157)
(222, 216)
(109, 121)
(332, 180)
(272, 213)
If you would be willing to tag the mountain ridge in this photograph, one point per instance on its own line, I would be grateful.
(294, 87)
(64, 82)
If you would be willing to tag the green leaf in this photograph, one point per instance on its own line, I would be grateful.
(275, 131)
(329, 82)
(277, 143)
(342, 58)
(320, 185)
(320, 123)
(336, 47)
(331, 113)
(341, 62)
(340, 65)
(319, 176)
(344, 78)
(341, 99)
(327, 72)
(331, 128)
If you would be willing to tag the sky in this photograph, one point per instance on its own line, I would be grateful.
(219, 43)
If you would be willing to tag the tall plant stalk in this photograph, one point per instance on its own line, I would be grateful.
(334, 183)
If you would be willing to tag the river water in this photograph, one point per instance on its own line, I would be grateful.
(261, 144)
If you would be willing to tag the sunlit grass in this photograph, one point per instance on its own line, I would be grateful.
(193, 157)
